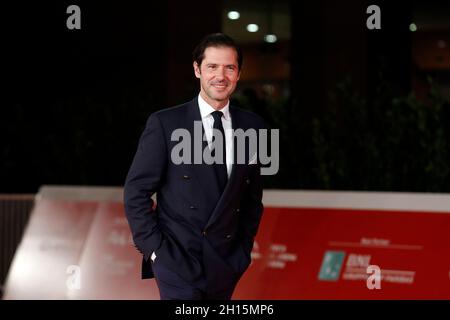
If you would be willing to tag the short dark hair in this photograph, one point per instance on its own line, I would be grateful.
(216, 40)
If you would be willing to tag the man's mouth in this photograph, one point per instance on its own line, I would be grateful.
(219, 85)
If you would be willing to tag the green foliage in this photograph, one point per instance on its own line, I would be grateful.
(388, 143)
(382, 143)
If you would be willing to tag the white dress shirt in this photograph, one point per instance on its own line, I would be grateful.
(208, 125)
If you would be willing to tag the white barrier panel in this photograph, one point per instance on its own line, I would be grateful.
(311, 245)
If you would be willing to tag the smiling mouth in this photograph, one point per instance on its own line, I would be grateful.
(219, 86)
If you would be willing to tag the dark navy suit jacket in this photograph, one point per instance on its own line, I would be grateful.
(194, 229)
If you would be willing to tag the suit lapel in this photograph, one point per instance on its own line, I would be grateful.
(204, 173)
(235, 176)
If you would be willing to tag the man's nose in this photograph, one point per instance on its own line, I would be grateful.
(220, 74)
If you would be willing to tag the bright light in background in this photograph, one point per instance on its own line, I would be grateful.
(412, 27)
(252, 27)
(233, 15)
(270, 38)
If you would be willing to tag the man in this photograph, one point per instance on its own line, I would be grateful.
(197, 239)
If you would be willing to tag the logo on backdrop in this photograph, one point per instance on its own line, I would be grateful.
(331, 265)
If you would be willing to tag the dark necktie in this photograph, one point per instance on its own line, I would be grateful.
(220, 168)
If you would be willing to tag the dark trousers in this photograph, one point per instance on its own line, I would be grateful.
(172, 287)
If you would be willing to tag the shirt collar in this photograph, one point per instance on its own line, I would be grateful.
(206, 109)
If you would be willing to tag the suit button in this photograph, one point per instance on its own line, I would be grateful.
(192, 207)
(247, 181)
(237, 210)
(228, 236)
(186, 177)
(205, 233)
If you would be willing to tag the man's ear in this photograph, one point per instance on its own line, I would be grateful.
(196, 69)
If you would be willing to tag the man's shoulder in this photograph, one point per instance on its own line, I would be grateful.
(174, 111)
(172, 116)
(249, 118)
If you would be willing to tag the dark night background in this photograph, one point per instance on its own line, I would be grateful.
(359, 110)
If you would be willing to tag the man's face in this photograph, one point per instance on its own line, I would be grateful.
(218, 74)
